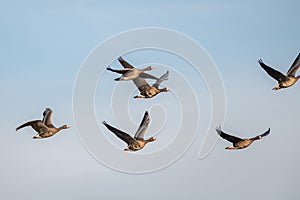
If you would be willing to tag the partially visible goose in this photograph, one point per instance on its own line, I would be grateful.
(129, 72)
(147, 91)
(137, 142)
(239, 143)
(284, 81)
(44, 127)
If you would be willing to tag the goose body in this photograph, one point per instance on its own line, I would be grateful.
(239, 143)
(284, 81)
(149, 91)
(129, 72)
(137, 142)
(43, 127)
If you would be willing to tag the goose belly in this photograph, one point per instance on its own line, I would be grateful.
(289, 82)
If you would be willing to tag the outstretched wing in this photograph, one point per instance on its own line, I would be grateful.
(161, 79)
(143, 126)
(119, 71)
(120, 134)
(295, 66)
(272, 72)
(37, 125)
(141, 84)
(124, 63)
(47, 119)
(149, 76)
(228, 137)
(265, 133)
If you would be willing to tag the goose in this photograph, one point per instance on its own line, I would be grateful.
(129, 72)
(147, 91)
(239, 143)
(284, 81)
(43, 127)
(137, 142)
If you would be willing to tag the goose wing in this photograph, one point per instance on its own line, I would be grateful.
(124, 63)
(272, 72)
(265, 133)
(149, 76)
(143, 126)
(47, 118)
(228, 137)
(119, 71)
(120, 134)
(161, 79)
(37, 125)
(141, 84)
(295, 66)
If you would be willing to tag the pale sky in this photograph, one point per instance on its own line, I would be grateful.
(44, 44)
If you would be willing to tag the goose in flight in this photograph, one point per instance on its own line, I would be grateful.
(239, 143)
(284, 81)
(147, 91)
(44, 127)
(137, 142)
(129, 72)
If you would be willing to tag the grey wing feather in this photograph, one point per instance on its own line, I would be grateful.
(124, 63)
(143, 126)
(141, 84)
(161, 79)
(227, 137)
(265, 133)
(120, 134)
(145, 75)
(272, 72)
(47, 119)
(295, 66)
(37, 125)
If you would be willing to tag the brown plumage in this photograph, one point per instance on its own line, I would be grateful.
(137, 142)
(147, 91)
(44, 127)
(284, 81)
(239, 143)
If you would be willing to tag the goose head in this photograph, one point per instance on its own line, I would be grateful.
(164, 90)
(151, 139)
(148, 68)
(64, 127)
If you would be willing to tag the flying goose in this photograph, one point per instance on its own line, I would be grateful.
(44, 127)
(147, 91)
(137, 142)
(129, 72)
(239, 143)
(284, 81)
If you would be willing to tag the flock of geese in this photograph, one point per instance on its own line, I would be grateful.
(45, 127)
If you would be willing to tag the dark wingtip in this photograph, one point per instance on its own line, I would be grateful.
(117, 79)
(219, 130)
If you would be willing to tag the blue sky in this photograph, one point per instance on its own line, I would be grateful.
(44, 43)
